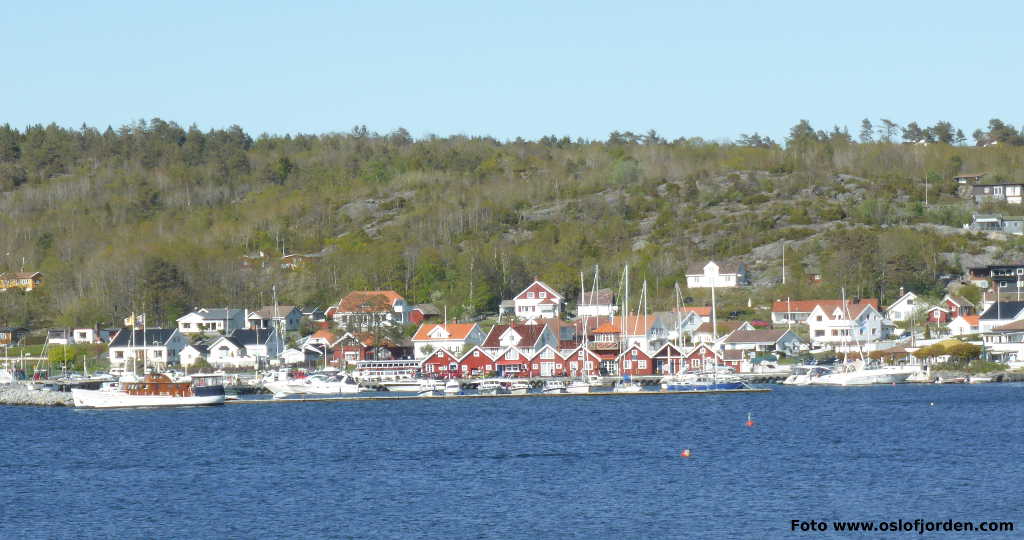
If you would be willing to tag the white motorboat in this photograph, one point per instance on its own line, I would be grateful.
(153, 391)
(403, 385)
(920, 376)
(804, 375)
(430, 387)
(6, 376)
(282, 382)
(977, 379)
(452, 387)
(627, 387)
(553, 387)
(519, 388)
(489, 388)
(578, 387)
(858, 374)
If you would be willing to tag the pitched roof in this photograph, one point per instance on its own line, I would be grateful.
(756, 336)
(325, 335)
(124, 337)
(829, 306)
(458, 331)
(1014, 326)
(19, 275)
(542, 284)
(703, 311)
(1002, 310)
(606, 328)
(267, 312)
(973, 320)
(368, 301)
(529, 334)
(724, 327)
(250, 337)
(600, 297)
(215, 314)
(427, 309)
(959, 300)
(697, 268)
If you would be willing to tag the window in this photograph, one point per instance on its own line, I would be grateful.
(819, 318)
(581, 354)
(588, 365)
(627, 364)
(574, 365)
(476, 354)
(634, 353)
(536, 366)
(529, 295)
(641, 364)
(547, 354)
(118, 354)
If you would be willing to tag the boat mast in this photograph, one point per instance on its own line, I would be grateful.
(714, 336)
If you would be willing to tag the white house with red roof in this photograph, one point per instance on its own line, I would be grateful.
(964, 325)
(452, 337)
(537, 301)
(832, 322)
(365, 309)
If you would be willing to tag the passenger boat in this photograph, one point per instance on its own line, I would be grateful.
(155, 390)
(553, 387)
(519, 388)
(284, 383)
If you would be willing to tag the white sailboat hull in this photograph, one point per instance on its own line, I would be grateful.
(863, 377)
(97, 399)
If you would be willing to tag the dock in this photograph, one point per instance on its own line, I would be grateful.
(488, 396)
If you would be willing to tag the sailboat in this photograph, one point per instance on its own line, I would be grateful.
(860, 372)
(584, 383)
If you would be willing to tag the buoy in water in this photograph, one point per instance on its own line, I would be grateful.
(750, 421)
(931, 403)
(685, 453)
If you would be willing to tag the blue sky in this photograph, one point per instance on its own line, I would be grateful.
(524, 68)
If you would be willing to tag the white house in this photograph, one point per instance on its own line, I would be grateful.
(245, 348)
(365, 309)
(73, 336)
(192, 353)
(1000, 314)
(158, 348)
(209, 320)
(527, 338)
(599, 303)
(763, 341)
(856, 321)
(537, 301)
(964, 325)
(282, 318)
(903, 308)
(713, 274)
(452, 337)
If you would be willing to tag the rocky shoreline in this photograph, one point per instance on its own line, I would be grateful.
(18, 394)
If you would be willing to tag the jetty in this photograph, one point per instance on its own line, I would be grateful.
(19, 394)
(491, 396)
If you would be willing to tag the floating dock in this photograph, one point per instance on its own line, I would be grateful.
(484, 396)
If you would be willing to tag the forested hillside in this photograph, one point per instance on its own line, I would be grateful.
(160, 218)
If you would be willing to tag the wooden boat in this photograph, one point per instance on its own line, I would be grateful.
(158, 390)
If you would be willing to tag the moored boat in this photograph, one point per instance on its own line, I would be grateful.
(519, 388)
(703, 382)
(489, 388)
(283, 383)
(978, 379)
(430, 387)
(553, 387)
(155, 390)
(452, 387)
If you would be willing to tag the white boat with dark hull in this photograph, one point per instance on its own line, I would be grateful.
(153, 391)
(282, 383)
(553, 387)
(489, 388)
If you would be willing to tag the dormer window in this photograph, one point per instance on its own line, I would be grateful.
(529, 295)
(543, 294)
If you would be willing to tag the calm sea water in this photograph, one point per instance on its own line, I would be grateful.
(580, 467)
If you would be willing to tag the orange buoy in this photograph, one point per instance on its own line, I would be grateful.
(685, 453)
(750, 421)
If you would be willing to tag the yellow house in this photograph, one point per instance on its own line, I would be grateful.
(21, 280)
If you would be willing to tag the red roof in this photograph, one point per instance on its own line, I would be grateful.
(973, 320)
(326, 335)
(703, 311)
(368, 301)
(458, 331)
(607, 328)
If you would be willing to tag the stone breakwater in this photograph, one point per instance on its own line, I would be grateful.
(17, 394)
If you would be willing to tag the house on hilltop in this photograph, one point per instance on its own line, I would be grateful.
(712, 274)
(538, 300)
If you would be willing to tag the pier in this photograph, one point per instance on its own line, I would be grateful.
(487, 396)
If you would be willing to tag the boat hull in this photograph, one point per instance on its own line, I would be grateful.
(293, 388)
(577, 389)
(97, 399)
